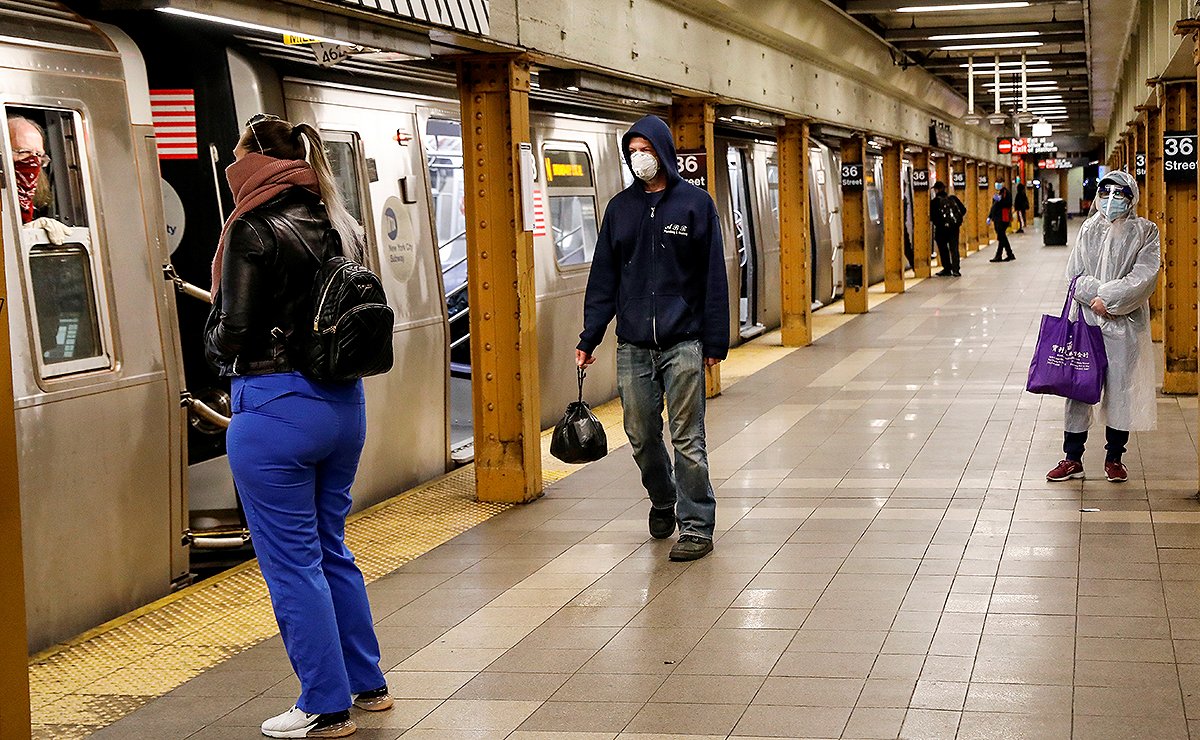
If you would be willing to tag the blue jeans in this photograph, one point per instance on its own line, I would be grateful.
(294, 447)
(644, 378)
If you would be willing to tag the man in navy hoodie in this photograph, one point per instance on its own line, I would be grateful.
(659, 267)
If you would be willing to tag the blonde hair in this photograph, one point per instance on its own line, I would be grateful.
(278, 138)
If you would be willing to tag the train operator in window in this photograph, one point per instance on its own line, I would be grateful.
(33, 187)
(659, 267)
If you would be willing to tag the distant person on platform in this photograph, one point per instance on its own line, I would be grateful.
(1000, 217)
(1021, 205)
(659, 268)
(946, 213)
(34, 196)
(1117, 258)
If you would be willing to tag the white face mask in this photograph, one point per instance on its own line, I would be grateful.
(644, 165)
(1114, 207)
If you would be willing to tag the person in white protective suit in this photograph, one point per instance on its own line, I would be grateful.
(1117, 256)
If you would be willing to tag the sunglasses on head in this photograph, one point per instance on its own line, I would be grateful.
(260, 117)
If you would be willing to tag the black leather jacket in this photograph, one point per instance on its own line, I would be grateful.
(271, 259)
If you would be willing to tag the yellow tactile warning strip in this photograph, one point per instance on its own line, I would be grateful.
(110, 671)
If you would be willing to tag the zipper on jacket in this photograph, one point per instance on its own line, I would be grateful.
(653, 274)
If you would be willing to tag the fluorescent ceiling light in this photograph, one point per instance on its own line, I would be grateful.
(961, 6)
(246, 24)
(996, 35)
(1041, 99)
(1015, 45)
(992, 66)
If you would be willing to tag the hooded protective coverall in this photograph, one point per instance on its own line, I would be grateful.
(1118, 260)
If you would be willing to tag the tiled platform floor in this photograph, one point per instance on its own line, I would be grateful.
(890, 563)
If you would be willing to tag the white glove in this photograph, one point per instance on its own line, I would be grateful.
(56, 231)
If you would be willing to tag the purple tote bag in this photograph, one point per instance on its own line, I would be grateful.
(1069, 360)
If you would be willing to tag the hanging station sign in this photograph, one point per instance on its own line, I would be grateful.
(958, 180)
(1139, 165)
(693, 166)
(920, 179)
(1025, 146)
(1054, 164)
(1179, 156)
(982, 181)
(940, 134)
(852, 176)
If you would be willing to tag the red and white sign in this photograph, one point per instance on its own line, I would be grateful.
(174, 116)
(539, 214)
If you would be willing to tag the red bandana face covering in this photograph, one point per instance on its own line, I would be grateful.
(27, 171)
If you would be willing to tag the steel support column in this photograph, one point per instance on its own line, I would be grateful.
(893, 222)
(854, 216)
(14, 651)
(794, 240)
(1153, 197)
(922, 232)
(494, 92)
(969, 233)
(1179, 248)
(692, 121)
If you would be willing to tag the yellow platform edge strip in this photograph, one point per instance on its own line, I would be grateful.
(101, 675)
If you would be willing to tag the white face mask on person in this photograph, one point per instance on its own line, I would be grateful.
(1114, 206)
(644, 165)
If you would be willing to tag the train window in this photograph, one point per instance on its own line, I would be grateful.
(67, 325)
(773, 187)
(342, 148)
(45, 151)
(444, 158)
(571, 187)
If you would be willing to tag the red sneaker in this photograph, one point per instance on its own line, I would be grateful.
(1115, 472)
(1066, 470)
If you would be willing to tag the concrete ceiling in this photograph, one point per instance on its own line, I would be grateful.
(1059, 52)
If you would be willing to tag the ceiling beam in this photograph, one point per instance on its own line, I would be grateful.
(888, 6)
(918, 34)
(1075, 37)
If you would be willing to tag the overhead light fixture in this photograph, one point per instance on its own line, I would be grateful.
(996, 35)
(961, 6)
(1014, 45)
(246, 24)
(1042, 129)
(989, 65)
(1035, 99)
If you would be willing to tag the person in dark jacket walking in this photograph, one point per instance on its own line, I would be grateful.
(946, 213)
(1000, 217)
(659, 268)
(1021, 205)
(294, 443)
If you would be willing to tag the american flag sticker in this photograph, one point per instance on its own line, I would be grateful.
(174, 116)
(539, 214)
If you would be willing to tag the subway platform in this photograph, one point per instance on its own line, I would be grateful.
(890, 562)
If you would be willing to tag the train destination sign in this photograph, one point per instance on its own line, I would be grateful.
(1179, 156)
(920, 179)
(852, 176)
(693, 166)
(568, 168)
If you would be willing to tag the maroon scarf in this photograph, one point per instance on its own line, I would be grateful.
(255, 179)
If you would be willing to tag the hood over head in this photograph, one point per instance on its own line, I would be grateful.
(655, 130)
(1124, 179)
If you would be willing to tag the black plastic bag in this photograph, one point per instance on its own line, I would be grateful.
(579, 436)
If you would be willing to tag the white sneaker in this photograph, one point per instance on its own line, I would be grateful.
(297, 723)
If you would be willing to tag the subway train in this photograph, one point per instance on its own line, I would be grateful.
(124, 479)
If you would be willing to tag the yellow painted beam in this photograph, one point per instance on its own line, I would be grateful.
(970, 236)
(794, 235)
(494, 92)
(1152, 198)
(857, 273)
(893, 222)
(1180, 255)
(14, 651)
(922, 230)
(692, 122)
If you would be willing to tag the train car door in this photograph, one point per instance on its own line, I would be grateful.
(739, 207)
(874, 220)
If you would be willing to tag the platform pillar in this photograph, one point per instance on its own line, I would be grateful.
(969, 231)
(893, 222)
(692, 121)
(1179, 249)
(494, 93)
(922, 230)
(1152, 197)
(854, 216)
(794, 237)
(14, 650)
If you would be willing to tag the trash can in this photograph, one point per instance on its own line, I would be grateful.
(1054, 223)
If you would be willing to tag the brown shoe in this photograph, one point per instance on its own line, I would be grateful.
(1115, 472)
(1066, 470)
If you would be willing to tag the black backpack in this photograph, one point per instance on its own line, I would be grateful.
(351, 332)
(951, 216)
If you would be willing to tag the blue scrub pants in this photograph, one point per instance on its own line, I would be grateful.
(294, 447)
